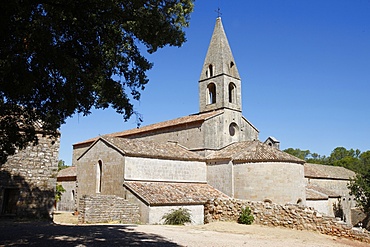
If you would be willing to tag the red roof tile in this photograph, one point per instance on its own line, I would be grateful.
(324, 171)
(67, 172)
(253, 151)
(315, 195)
(162, 193)
(161, 125)
(149, 149)
(322, 190)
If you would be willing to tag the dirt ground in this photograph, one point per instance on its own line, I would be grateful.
(220, 234)
(65, 232)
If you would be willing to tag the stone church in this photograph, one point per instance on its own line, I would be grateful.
(184, 162)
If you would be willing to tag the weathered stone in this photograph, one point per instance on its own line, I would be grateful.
(290, 216)
(30, 180)
(102, 209)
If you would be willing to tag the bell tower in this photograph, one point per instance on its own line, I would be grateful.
(219, 83)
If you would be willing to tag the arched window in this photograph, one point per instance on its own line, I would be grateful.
(233, 129)
(267, 201)
(99, 172)
(232, 93)
(232, 69)
(209, 72)
(211, 88)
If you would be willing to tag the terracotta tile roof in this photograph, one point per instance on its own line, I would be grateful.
(315, 195)
(150, 149)
(253, 151)
(161, 125)
(67, 172)
(324, 171)
(322, 190)
(162, 193)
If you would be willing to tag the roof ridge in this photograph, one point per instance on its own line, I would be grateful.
(254, 151)
(151, 149)
(161, 125)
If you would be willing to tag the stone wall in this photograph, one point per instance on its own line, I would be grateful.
(156, 213)
(290, 216)
(278, 182)
(189, 135)
(68, 199)
(220, 176)
(137, 168)
(105, 208)
(216, 130)
(111, 179)
(28, 180)
(338, 186)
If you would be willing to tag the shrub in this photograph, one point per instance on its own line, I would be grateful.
(59, 190)
(177, 217)
(246, 216)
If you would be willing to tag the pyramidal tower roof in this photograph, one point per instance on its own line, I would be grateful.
(219, 54)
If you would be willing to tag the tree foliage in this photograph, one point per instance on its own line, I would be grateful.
(306, 155)
(302, 154)
(340, 156)
(58, 58)
(62, 165)
(360, 188)
(59, 190)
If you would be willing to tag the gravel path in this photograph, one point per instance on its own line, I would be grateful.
(214, 234)
(233, 234)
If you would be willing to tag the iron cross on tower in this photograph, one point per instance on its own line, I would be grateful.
(218, 11)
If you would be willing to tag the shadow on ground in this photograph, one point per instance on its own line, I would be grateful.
(50, 234)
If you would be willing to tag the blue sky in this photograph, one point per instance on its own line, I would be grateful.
(304, 65)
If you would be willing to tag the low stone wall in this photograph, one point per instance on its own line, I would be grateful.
(289, 216)
(107, 208)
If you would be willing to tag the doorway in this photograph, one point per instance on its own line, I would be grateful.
(10, 199)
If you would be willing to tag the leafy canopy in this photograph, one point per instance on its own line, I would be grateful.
(360, 185)
(360, 189)
(340, 156)
(60, 57)
(62, 165)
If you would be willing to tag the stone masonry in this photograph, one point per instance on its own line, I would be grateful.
(28, 180)
(106, 208)
(290, 216)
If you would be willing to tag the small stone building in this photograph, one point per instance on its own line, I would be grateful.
(273, 142)
(327, 190)
(159, 198)
(68, 179)
(28, 179)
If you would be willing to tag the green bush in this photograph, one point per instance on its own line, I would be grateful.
(177, 217)
(59, 190)
(246, 216)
